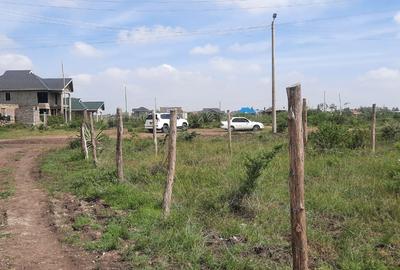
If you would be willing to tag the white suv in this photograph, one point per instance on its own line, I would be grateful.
(162, 123)
(242, 123)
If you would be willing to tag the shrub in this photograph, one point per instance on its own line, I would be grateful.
(188, 136)
(55, 120)
(357, 138)
(75, 143)
(329, 136)
(391, 131)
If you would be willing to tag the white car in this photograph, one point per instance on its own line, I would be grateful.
(242, 123)
(162, 122)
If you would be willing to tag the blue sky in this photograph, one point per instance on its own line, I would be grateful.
(196, 53)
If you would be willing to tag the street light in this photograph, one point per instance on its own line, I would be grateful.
(274, 130)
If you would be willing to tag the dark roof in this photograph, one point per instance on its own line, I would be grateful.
(77, 104)
(140, 109)
(94, 105)
(25, 80)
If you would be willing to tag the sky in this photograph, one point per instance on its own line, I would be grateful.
(199, 53)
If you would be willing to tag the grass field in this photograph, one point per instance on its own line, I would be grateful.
(352, 201)
(18, 133)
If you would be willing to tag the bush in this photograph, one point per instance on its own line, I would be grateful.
(358, 138)
(329, 136)
(391, 131)
(188, 136)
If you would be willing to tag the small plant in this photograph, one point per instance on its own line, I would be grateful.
(188, 136)
(254, 166)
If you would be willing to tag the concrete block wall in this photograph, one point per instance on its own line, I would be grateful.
(27, 115)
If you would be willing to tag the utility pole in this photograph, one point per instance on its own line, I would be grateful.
(273, 73)
(64, 112)
(219, 106)
(324, 101)
(126, 102)
(340, 104)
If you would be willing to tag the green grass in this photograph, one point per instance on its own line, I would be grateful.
(353, 211)
(7, 188)
(22, 132)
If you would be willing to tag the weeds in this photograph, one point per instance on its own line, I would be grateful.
(254, 166)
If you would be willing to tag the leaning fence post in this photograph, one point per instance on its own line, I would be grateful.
(171, 165)
(119, 160)
(229, 132)
(155, 132)
(305, 122)
(93, 139)
(83, 141)
(373, 129)
(296, 179)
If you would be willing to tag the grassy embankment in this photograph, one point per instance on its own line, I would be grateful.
(352, 205)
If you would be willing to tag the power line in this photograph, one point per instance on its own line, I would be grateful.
(54, 6)
(191, 9)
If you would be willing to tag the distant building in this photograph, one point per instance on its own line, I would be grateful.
(212, 110)
(24, 96)
(269, 111)
(79, 107)
(140, 112)
(179, 111)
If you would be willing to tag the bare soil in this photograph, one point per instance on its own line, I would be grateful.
(27, 240)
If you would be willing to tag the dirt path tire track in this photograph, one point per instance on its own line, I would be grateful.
(31, 243)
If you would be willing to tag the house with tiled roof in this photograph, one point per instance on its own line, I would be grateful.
(24, 96)
(79, 108)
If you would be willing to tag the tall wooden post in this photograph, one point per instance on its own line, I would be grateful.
(120, 131)
(296, 179)
(305, 122)
(229, 132)
(171, 165)
(373, 129)
(155, 132)
(93, 139)
(83, 141)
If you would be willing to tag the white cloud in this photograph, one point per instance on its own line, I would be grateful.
(144, 34)
(6, 42)
(14, 61)
(248, 47)
(234, 66)
(85, 79)
(397, 17)
(85, 50)
(207, 49)
(383, 73)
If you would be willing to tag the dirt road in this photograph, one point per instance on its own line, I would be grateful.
(26, 238)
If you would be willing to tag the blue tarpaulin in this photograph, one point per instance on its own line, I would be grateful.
(247, 110)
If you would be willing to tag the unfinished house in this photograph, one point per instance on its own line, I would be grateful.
(25, 97)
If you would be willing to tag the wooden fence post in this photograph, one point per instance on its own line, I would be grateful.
(296, 179)
(373, 129)
(229, 132)
(171, 165)
(45, 119)
(155, 132)
(305, 122)
(120, 131)
(93, 139)
(83, 141)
